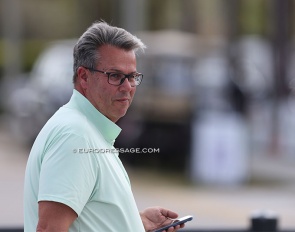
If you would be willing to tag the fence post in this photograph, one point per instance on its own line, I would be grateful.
(264, 221)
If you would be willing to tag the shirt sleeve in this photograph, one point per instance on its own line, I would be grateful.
(67, 176)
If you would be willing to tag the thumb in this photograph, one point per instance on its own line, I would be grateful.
(169, 213)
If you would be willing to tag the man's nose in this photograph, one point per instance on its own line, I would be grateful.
(125, 83)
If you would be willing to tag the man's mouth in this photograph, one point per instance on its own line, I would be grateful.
(123, 100)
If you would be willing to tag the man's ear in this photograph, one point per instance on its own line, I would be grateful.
(82, 77)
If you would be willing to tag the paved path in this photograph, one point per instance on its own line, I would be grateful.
(213, 207)
(12, 167)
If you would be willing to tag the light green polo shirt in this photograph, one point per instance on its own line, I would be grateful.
(73, 162)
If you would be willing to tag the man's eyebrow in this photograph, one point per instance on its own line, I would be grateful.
(119, 71)
(114, 70)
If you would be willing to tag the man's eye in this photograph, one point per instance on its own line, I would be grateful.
(116, 75)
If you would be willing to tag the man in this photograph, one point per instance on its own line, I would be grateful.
(74, 179)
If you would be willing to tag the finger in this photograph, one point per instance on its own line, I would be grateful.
(176, 227)
(172, 229)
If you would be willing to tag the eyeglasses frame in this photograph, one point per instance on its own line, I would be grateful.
(122, 80)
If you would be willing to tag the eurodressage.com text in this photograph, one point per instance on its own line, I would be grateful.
(117, 150)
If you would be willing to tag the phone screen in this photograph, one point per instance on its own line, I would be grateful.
(176, 222)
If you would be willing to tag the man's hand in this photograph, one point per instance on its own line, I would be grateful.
(156, 217)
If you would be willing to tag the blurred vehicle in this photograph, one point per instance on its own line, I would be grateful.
(46, 88)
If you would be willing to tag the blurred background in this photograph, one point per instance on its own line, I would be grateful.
(217, 101)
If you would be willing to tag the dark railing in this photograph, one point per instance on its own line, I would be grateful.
(12, 230)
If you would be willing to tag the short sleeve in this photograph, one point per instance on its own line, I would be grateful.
(67, 176)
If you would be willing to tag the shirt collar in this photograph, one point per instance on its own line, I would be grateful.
(107, 128)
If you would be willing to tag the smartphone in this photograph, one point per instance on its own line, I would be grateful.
(176, 222)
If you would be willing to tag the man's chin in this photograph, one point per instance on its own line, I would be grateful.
(119, 115)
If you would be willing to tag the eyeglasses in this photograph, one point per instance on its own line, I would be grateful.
(118, 78)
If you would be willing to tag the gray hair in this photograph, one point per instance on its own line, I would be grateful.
(99, 34)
